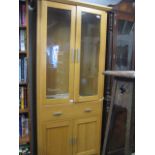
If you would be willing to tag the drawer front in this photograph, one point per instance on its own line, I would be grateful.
(71, 111)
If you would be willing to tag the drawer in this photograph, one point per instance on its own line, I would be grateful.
(86, 109)
(56, 113)
(71, 111)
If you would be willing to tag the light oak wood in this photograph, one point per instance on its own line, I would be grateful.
(86, 134)
(57, 138)
(43, 52)
(62, 122)
(101, 56)
(85, 4)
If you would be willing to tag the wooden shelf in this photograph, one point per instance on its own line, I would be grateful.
(22, 53)
(24, 110)
(22, 83)
(24, 140)
(22, 27)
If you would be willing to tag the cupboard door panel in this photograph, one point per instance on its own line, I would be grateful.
(86, 133)
(57, 52)
(90, 54)
(57, 138)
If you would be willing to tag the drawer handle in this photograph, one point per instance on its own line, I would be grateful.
(88, 110)
(57, 113)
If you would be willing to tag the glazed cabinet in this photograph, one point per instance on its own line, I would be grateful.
(71, 43)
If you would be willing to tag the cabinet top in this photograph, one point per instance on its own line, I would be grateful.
(85, 4)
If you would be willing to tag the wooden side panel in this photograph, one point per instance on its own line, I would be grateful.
(57, 138)
(86, 134)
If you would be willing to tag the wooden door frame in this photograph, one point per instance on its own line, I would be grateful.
(103, 26)
(42, 53)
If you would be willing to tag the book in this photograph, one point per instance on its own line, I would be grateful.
(25, 69)
(27, 126)
(23, 14)
(23, 125)
(22, 40)
(20, 23)
(25, 98)
(22, 69)
(22, 98)
(20, 127)
(19, 70)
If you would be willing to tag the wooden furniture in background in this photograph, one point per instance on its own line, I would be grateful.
(120, 114)
(71, 42)
(120, 56)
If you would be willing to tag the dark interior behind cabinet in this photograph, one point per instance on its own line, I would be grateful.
(120, 56)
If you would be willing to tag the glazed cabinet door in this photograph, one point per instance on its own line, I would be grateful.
(57, 138)
(90, 54)
(56, 52)
(86, 135)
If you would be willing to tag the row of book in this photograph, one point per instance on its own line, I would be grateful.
(23, 126)
(24, 150)
(23, 104)
(23, 69)
(22, 14)
(22, 40)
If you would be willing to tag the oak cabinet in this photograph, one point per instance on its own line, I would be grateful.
(67, 137)
(71, 43)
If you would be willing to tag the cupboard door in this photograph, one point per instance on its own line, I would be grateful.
(86, 135)
(57, 52)
(57, 138)
(90, 53)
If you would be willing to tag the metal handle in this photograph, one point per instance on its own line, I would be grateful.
(88, 110)
(72, 55)
(71, 141)
(74, 140)
(78, 57)
(59, 113)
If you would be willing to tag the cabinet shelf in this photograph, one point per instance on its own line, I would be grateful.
(23, 110)
(22, 27)
(22, 83)
(22, 53)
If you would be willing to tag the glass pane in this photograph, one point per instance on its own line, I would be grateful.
(57, 53)
(90, 47)
(124, 45)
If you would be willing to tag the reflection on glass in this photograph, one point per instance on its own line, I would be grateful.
(89, 60)
(124, 45)
(57, 53)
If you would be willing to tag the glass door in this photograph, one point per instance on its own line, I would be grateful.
(57, 52)
(90, 54)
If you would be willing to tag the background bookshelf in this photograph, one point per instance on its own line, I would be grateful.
(24, 102)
